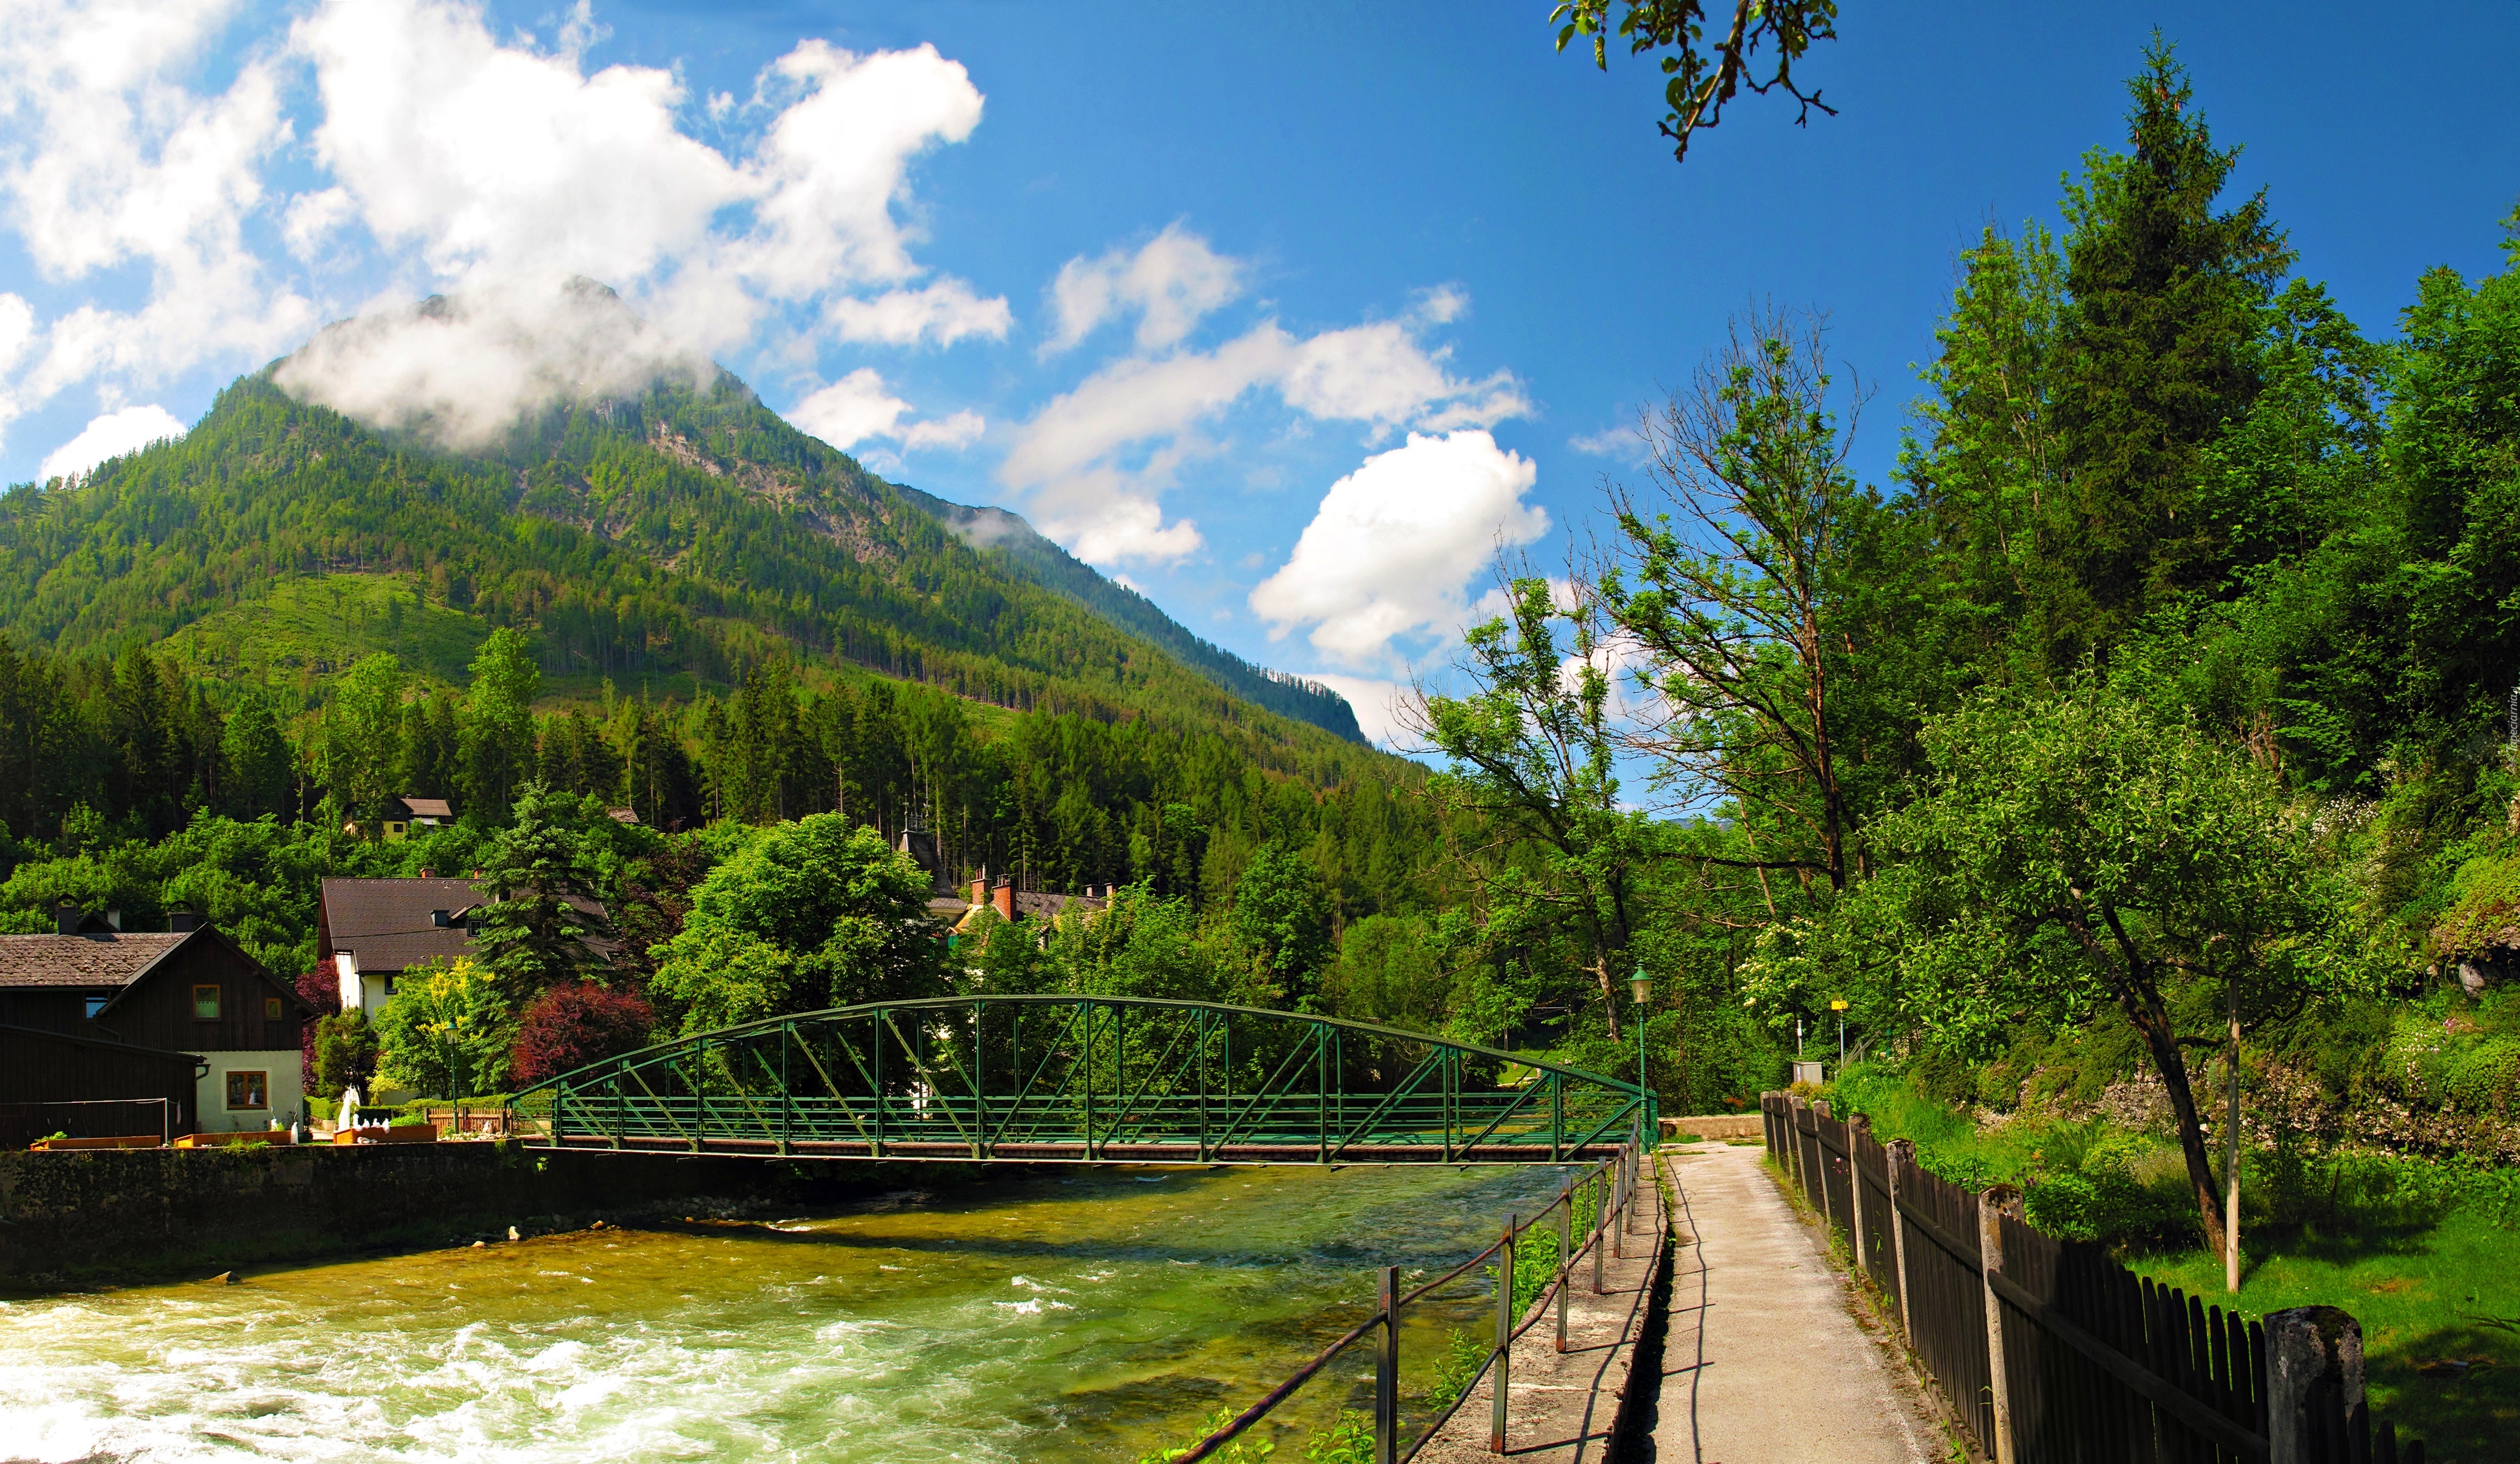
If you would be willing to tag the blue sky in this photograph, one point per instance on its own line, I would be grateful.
(1286, 313)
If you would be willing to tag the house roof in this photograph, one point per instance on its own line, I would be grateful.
(111, 959)
(390, 925)
(108, 958)
(427, 807)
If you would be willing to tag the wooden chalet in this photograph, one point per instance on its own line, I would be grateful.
(409, 811)
(189, 993)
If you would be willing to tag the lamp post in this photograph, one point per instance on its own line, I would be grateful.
(1640, 985)
(1839, 1006)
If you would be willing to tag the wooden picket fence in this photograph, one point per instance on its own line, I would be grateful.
(2052, 1353)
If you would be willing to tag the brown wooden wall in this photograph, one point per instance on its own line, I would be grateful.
(50, 1009)
(158, 1009)
(46, 1067)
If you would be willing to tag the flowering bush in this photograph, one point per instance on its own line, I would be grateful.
(571, 1025)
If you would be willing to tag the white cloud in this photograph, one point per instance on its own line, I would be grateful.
(834, 162)
(1172, 283)
(110, 437)
(312, 218)
(499, 168)
(497, 161)
(1625, 444)
(859, 407)
(956, 431)
(1394, 543)
(108, 162)
(1377, 703)
(1095, 462)
(461, 367)
(943, 312)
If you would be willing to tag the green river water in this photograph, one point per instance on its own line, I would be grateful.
(1092, 1317)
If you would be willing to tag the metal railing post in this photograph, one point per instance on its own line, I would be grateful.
(1601, 1221)
(1992, 1206)
(1386, 1374)
(1503, 1369)
(1565, 1255)
(1619, 1209)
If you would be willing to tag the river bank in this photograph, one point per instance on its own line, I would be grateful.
(140, 1215)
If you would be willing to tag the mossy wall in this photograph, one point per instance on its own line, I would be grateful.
(148, 1213)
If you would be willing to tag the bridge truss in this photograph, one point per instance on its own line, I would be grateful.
(1083, 1080)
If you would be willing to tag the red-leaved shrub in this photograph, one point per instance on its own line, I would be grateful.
(321, 988)
(571, 1025)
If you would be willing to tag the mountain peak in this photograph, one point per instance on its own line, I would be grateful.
(458, 369)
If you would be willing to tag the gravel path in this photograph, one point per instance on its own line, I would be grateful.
(1770, 1357)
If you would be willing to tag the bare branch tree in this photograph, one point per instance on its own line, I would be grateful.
(1724, 576)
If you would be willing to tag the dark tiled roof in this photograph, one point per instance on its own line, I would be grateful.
(390, 925)
(101, 960)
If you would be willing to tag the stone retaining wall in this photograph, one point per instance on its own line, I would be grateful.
(1716, 1127)
(130, 1215)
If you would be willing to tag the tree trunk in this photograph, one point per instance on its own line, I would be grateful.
(2143, 1006)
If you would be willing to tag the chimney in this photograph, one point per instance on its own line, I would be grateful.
(65, 919)
(183, 922)
(1005, 896)
(427, 873)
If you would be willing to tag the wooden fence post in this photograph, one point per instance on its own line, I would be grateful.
(1859, 1129)
(2314, 1380)
(1795, 1108)
(2001, 1200)
(1819, 1155)
(1902, 1155)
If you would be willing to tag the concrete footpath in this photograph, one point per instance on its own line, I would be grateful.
(1560, 1405)
(1770, 1357)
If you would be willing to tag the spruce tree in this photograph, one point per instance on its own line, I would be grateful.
(528, 933)
(2159, 354)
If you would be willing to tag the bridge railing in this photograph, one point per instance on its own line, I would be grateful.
(1590, 1215)
(1050, 1079)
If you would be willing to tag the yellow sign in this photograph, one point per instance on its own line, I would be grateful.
(1837, 1006)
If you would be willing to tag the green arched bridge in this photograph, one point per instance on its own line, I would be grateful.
(1083, 1079)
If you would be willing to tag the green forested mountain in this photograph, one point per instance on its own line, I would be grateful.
(1013, 544)
(670, 600)
(686, 532)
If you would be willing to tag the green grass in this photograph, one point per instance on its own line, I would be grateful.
(2426, 1255)
(303, 629)
(2447, 1291)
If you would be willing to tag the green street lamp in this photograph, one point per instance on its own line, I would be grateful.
(1640, 985)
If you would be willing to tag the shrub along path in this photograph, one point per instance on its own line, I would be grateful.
(1770, 1357)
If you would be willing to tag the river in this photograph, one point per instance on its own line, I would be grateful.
(1087, 1316)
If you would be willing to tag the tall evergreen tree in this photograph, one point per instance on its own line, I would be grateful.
(257, 758)
(2159, 354)
(141, 778)
(540, 887)
(499, 723)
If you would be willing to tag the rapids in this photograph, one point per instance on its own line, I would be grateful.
(1092, 1315)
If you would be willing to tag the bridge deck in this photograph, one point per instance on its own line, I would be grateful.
(1101, 1153)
